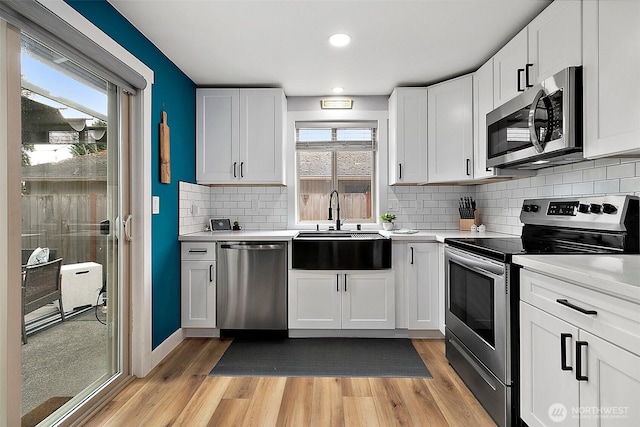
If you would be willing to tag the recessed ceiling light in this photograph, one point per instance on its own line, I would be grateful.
(338, 89)
(340, 40)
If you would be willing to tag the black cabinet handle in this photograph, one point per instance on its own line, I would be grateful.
(526, 75)
(345, 283)
(241, 169)
(468, 164)
(400, 175)
(337, 283)
(576, 308)
(579, 376)
(235, 175)
(563, 352)
(197, 251)
(412, 255)
(210, 272)
(520, 71)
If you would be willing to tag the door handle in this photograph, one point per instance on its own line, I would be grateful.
(345, 283)
(520, 72)
(526, 75)
(210, 273)
(241, 169)
(235, 175)
(468, 164)
(579, 376)
(400, 166)
(563, 352)
(411, 255)
(337, 283)
(127, 228)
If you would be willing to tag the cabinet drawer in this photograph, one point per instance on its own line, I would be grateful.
(615, 319)
(198, 251)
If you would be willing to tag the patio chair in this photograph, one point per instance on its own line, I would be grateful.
(41, 286)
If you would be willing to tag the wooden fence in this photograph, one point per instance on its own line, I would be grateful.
(315, 207)
(69, 223)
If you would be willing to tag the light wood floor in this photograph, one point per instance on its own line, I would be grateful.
(179, 392)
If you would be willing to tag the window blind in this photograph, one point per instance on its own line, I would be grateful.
(351, 136)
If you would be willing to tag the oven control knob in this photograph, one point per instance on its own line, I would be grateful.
(526, 208)
(608, 208)
(594, 208)
(583, 208)
(535, 208)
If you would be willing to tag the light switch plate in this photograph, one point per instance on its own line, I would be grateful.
(156, 205)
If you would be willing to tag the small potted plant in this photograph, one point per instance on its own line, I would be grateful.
(387, 220)
(236, 226)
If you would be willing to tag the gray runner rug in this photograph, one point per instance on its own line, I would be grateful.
(322, 357)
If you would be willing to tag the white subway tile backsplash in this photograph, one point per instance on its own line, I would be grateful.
(623, 170)
(420, 207)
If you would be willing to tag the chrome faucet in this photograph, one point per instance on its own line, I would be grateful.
(337, 207)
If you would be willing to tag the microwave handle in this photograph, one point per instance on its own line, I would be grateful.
(539, 145)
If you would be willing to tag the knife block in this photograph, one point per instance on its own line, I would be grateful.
(465, 224)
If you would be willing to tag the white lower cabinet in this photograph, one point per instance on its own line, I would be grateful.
(570, 374)
(422, 285)
(341, 299)
(198, 285)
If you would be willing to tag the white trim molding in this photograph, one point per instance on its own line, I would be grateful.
(141, 278)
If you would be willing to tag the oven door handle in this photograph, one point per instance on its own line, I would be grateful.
(478, 265)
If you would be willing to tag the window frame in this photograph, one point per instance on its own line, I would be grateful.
(333, 147)
(379, 192)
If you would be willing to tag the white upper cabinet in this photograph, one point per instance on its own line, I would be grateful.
(550, 43)
(450, 130)
(508, 69)
(611, 78)
(408, 136)
(555, 39)
(240, 136)
(482, 105)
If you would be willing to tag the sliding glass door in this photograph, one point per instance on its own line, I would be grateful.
(74, 143)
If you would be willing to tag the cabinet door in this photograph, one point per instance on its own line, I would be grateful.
(315, 300)
(547, 392)
(217, 125)
(198, 294)
(398, 264)
(611, 76)
(261, 136)
(422, 285)
(506, 63)
(555, 39)
(368, 300)
(612, 390)
(482, 105)
(408, 136)
(450, 130)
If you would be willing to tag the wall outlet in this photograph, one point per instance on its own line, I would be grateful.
(195, 209)
(155, 206)
(392, 206)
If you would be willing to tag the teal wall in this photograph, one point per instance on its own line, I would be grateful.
(174, 93)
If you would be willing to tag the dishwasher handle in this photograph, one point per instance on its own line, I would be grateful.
(252, 247)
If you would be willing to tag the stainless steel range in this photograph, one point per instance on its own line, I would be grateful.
(482, 287)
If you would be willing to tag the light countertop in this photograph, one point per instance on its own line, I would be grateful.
(617, 275)
(277, 235)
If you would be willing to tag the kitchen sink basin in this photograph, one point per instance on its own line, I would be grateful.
(342, 234)
(340, 250)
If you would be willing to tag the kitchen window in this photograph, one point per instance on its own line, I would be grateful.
(338, 156)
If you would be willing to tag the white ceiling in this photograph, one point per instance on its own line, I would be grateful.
(285, 43)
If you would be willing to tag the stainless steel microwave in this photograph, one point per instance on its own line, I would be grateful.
(541, 127)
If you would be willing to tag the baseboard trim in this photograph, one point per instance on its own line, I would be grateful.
(166, 347)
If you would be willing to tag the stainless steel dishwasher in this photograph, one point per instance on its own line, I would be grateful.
(252, 286)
